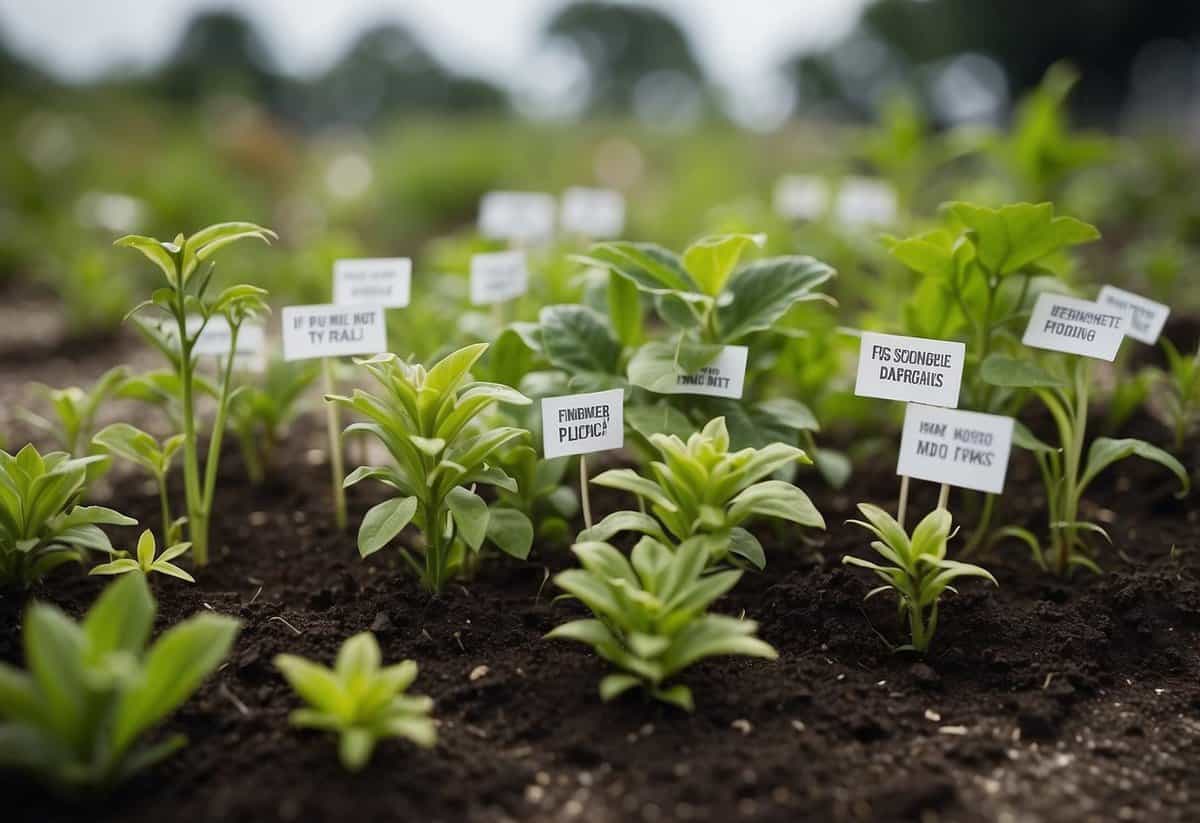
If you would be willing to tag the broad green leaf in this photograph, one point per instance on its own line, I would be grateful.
(650, 267)
(470, 515)
(511, 531)
(625, 310)
(711, 260)
(763, 292)
(121, 618)
(383, 522)
(774, 498)
(1105, 451)
(1011, 372)
(576, 338)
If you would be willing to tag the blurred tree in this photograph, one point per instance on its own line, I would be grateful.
(387, 71)
(622, 45)
(220, 52)
(1102, 38)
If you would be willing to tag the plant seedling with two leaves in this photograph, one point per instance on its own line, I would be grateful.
(702, 488)
(917, 569)
(186, 295)
(359, 699)
(428, 422)
(76, 717)
(140, 448)
(147, 560)
(41, 524)
(1063, 386)
(651, 614)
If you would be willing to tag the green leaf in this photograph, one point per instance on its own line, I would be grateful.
(622, 521)
(1011, 372)
(383, 522)
(1105, 451)
(650, 267)
(625, 310)
(1012, 237)
(614, 685)
(121, 618)
(746, 546)
(154, 251)
(470, 514)
(630, 481)
(711, 260)
(174, 668)
(511, 531)
(764, 291)
(775, 498)
(576, 338)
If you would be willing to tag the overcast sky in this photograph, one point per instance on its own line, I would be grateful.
(737, 40)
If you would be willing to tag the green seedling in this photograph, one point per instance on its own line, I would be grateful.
(427, 420)
(41, 525)
(75, 411)
(259, 415)
(1063, 387)
(147, 560)
(917, 570)
(700, 487)
(140, 448)
(359, 700)
(541, 494)
(1182, 381)
(185, 295)
(651, 614)
(76, 718)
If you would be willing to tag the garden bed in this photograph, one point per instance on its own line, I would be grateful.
(1042, 700)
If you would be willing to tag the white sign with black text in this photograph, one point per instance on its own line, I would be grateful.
(521, 216)
(498, 276)
(333, 331)
(583, 423)
(965, 449)
(725, 376)
(384, 281)
(912, 369)
(1144, 318)
(595, 213)
(1074, 326)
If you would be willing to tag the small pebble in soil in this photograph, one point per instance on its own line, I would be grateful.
(259, 519)
(932, 716)
(742, 725)
(478, 672)
(315, 457)
(381, 623)
(957, 731)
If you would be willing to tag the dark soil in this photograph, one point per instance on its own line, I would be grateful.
(1043, 700)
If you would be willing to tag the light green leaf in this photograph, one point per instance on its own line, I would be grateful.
(383, 522)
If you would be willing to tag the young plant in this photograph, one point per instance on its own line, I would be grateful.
(427, 420)
(359, 700)
(917, 571)
(186, 295)
(75, 411)
(702, 488)
(135, 445)
(259, 415)
(651, 614)
(1062, 386)
(541, 493)
(146, 561)
(1182, 381)
(41, 525)
(75, 719)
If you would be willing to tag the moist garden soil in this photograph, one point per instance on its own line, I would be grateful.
(1042, 700)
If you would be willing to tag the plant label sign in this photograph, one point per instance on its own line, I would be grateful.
(965, 449)
(594, 213)
(1144, 318)
(801, 197)
(498, 276)
(583, 423)
(333, 331)
(1074, 326)
(384, 281)
(912, 369)
(521, 216)
(725, 376)
(865, 201)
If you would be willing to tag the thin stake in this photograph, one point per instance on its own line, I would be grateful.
(902, 509)
(944, 496)
(583, 491)
(336, 467)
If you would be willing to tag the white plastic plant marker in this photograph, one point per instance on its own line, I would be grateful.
(865, 201)
(801, 197)
(519, 216)
(725, 376)
(583, 423)
(593, 213)
(1145, 318)
(912, 369)
(499, 276)
(383, 281)
(1074, 326)
(957, 448)
(333, 331)
(215, 339)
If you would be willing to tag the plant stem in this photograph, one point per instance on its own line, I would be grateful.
(943, 497)
(191, 459)
(980, 533)
(584, 496)
(213, 459)
(334, 430)
(164, 509)
(902, 507)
